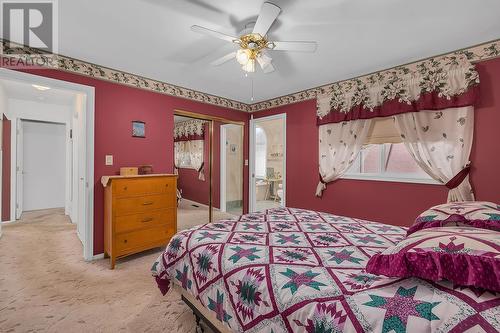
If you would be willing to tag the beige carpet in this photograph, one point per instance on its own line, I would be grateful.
(188, 215)
(45, 285)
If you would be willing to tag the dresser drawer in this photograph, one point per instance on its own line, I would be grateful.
(143, 204)
(144, 185)
(142, 238)
(145, 220)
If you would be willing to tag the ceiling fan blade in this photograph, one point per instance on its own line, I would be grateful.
(294, 46)
(213, 33)
(223, 59)
(268, 13)
(265, 63)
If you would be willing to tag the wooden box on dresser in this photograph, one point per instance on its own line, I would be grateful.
(140, 213)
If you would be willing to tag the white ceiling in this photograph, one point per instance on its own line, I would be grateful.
(153, 38)
(20, 90)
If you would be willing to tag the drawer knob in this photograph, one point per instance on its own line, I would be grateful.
(147, 203)
(124, 240)
(147, 219)
(125, 188)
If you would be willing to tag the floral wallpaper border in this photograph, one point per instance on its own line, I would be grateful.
(473, 54)
(476, 53)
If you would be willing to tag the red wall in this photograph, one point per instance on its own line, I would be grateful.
(115, 107)
(389, 202)
(6, 124)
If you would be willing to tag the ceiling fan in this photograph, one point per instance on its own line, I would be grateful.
(254, 45)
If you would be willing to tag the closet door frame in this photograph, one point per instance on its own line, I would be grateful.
(210, 120)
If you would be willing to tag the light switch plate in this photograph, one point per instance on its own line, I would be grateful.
(109, 159)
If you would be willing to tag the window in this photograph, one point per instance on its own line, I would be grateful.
(260, 153)
(387, 162)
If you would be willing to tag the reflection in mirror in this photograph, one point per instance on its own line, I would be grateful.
(197, 186)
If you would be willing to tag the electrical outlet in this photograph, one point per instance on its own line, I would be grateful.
(109, 159)
(246, 162)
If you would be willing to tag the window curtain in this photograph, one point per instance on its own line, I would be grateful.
(189, 146)
(441, 142)
(339, 145)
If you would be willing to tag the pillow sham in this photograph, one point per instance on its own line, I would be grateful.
(466, 256)
(479, 214)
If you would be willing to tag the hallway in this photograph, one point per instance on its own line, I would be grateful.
(42, 272)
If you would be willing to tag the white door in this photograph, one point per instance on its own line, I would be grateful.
(231, 169)
(80, 151)
(267, 162)
(43, 165)
(19, 168)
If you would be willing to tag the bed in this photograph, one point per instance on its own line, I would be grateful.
(296, 270)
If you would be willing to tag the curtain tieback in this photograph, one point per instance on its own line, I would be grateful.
(458, 178)
(201, 166)
(321, 180)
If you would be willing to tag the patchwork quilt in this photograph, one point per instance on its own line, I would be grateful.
(296, 270)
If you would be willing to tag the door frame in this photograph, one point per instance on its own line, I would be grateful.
(210, 120)
(86, 157)
(223, 159)
(251, 178)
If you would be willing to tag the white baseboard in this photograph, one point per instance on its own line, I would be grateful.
(98, 256)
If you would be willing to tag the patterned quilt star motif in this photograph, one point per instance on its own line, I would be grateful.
(301, 279)
(205, 261)
(323, 239)
(239, 252)
(288, 239)
(207, 236)
(326, 318)
(317, 227)
(294, 255)
(249, 294)
(251, 226)
(281, 217)
(183, 277)
(257, 238)
(283, 226)
(400, 307)
(345, 257)
(217, 306)
(366, 240)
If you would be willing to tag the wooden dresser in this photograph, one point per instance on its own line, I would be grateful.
(140, 213)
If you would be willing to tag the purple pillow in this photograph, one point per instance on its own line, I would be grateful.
(478, 214)
(466, 256)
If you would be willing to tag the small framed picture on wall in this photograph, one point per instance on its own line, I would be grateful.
(138, 129)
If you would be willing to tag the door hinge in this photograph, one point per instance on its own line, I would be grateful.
(71, 134)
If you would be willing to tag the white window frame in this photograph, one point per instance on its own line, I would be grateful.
(385, 176)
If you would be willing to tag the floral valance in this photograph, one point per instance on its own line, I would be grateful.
(434, 84)
(189, 130)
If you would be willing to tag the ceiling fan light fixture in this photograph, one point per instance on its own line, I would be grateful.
(243, 56)
(249, 66)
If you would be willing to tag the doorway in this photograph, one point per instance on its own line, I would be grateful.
(267, 162)
(33, 104)
(42, 165)
(231, 169)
